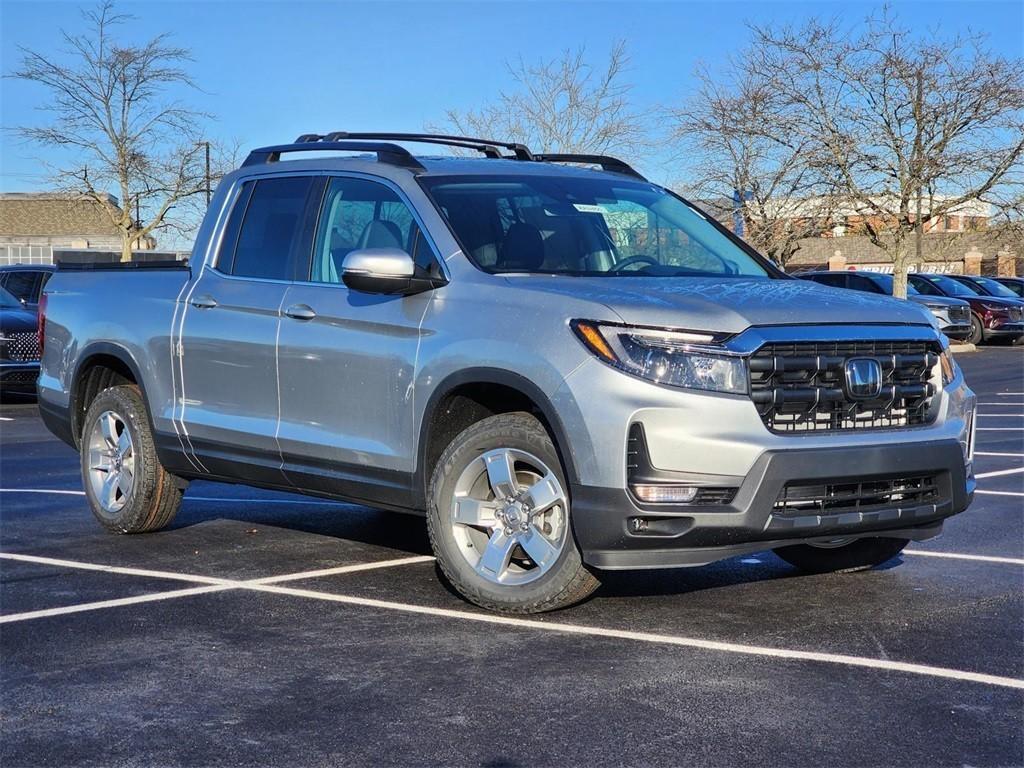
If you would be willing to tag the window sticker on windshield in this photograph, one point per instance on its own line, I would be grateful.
(584, 208)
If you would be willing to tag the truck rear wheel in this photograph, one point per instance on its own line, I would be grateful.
(127, 487)
(840, 556)
(498, 518)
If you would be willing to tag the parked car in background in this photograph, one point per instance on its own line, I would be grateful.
(1015, 284)
(992, 317)
(19, 345)
(986, 286)
(952, 316)
(26, 281)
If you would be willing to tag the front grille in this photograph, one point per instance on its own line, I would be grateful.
(23, 347)
(858, 496)
(960, 315)
(800, 387)
(19, 377)
(1016, 314)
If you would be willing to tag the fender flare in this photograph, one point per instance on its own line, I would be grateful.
(504, 378)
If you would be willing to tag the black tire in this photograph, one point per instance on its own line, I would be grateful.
(977, 331)
(859, 555)
(568, 580)
(155, 496)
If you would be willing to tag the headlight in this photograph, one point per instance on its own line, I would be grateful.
(949, 367)
(994, 307)
(672, 358)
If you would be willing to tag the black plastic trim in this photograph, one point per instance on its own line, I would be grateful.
(492, 376)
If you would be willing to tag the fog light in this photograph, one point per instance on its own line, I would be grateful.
(665, 494)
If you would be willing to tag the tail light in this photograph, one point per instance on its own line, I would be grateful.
(41, 323)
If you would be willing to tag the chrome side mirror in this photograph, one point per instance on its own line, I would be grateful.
(389, 271)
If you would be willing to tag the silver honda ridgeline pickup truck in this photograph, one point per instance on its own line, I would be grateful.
(567, 369)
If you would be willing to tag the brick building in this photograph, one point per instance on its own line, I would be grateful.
(988, 252)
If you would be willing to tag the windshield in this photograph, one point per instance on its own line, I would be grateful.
(584, 226)
(7, 299)
(952, 287)
(994, 288)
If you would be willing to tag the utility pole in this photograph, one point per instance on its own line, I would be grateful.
(206, 145)
(918, 152)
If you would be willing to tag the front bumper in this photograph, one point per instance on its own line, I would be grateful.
(1006, 329)
(18, 377)
(957, 332)
(605, 519)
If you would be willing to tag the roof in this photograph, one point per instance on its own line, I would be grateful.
(52, 213)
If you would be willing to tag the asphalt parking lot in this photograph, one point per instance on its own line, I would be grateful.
(279, 630)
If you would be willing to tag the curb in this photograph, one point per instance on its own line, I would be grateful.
(958, 349)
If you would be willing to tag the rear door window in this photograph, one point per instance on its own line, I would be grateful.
(264, 237)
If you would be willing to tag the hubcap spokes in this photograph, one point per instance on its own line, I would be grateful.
(111, 462)
(509, 516)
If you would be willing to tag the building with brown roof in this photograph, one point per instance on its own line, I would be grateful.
(34, 224)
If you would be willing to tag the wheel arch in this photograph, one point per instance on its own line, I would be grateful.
(434, 434)
(85, 383)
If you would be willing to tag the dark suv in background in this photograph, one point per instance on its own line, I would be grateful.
(992, 317)
(26, 281)
(952, 316)
(1015, 284)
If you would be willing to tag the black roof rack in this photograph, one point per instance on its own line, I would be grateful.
(386, 152)
(607, 163)
(393, 154)
(488, 147)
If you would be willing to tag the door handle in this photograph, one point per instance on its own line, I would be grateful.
(300, 312)
(204, 302)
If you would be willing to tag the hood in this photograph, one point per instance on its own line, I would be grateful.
(999, 301)
(728, 305)
(17, 320)
(938, 301)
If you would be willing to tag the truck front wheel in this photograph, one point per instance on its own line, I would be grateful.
(127, 487)
(498, 518)
(841, 556)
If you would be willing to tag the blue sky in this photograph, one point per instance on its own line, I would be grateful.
(273, 70)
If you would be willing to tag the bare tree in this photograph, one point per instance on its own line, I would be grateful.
(561, 105)
(738, 148)
(109, 105)
(915, 126)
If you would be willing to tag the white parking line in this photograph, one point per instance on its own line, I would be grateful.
(42, 490)
(142, 572)
(999, 493)
(1000, 429)
(485, 618)
(1009, 394)
(344, 569)
(659, 639)
(149, 598)
(4, 418)
(997, 453)
(958, 556)
(1001, 415)
(998, 473)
